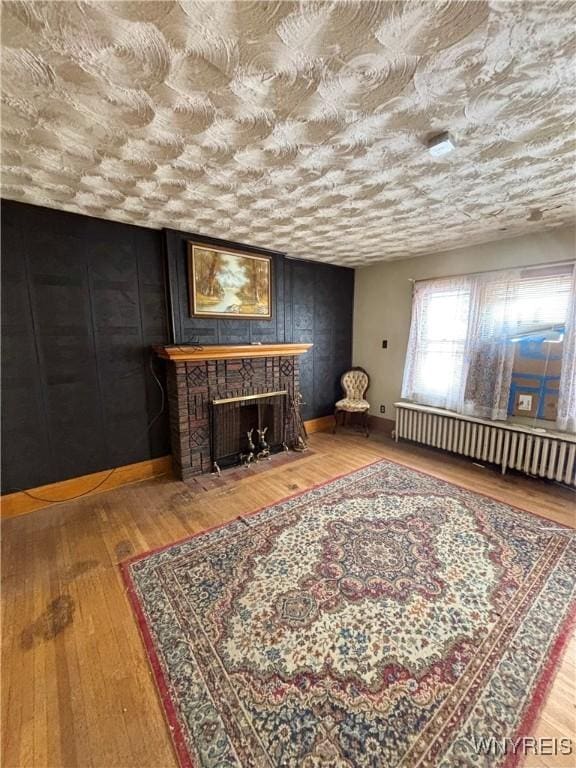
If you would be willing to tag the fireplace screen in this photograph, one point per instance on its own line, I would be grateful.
(246, 429)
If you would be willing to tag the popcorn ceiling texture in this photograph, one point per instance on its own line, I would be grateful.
(295, 126)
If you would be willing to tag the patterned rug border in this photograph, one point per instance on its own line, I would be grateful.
(547, 676)
(170, 716)
(529, 717)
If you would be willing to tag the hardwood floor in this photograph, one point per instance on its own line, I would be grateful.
(77, 690)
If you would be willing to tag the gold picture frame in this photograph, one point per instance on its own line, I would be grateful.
(228, 283)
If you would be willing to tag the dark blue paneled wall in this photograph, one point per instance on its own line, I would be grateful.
(84, 299)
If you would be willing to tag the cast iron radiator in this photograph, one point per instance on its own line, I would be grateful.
(511, 446)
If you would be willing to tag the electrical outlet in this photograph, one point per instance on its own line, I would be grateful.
(384, 343)
(382, 409)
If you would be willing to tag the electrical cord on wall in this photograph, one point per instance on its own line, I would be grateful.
(111, 472)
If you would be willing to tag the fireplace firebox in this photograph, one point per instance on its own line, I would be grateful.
(247, 429)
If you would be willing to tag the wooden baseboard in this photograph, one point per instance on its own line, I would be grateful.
(379, 424)
(15, 504)
(325, 423)
(320, 424)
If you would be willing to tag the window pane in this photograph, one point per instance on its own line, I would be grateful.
(447, 316)
(439, 371)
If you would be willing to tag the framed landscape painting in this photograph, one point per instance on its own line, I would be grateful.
(227, 283)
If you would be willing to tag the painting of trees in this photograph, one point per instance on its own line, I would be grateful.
(228, 283)
(256, 286)
(207, 265)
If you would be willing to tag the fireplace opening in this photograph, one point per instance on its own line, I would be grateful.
(247, 429)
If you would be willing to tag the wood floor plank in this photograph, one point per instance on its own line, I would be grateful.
(77, 688)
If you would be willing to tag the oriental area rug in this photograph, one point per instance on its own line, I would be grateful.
(386, 618)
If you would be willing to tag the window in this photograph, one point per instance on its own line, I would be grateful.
(524, 302)
(492, 344)
(439, 344)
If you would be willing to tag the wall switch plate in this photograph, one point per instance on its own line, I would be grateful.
(384, 343)
(382, 409)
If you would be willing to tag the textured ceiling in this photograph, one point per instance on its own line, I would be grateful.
(296, 126)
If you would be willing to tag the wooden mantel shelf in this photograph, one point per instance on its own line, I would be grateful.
(182, 354)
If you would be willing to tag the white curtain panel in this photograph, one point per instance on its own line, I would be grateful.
(434, 368)
(567, 399)
(489, 356)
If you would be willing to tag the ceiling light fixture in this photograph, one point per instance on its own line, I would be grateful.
(441, 144)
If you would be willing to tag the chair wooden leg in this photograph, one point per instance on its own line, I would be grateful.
(341, 420)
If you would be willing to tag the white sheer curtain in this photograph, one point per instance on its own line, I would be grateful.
(567, 398)
(433, 373)
(489, 357)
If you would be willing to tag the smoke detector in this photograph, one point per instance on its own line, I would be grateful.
(441, 144)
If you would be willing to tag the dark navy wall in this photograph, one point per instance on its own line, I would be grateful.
(311, 302)
(319, 307)
(84, 300)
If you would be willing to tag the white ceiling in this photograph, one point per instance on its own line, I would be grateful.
(298, 126)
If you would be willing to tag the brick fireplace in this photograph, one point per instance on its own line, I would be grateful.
(197, 377)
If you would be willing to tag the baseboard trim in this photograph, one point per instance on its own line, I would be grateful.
(321, 424)
(381, 425)
(15, 504)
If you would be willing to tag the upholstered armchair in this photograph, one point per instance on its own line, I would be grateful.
(355, 383)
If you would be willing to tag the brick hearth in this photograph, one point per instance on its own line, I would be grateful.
(194, 383)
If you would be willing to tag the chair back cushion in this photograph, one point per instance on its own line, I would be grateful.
(355, 383)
